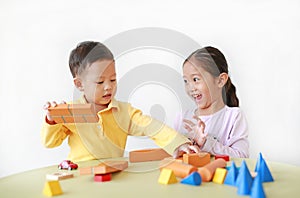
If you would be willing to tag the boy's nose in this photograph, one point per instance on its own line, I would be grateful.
(108, 86)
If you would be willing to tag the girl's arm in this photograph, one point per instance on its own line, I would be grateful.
(236, 143)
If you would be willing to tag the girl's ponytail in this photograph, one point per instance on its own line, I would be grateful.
(229, 94)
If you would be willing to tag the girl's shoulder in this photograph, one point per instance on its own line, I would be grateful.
(233, 112)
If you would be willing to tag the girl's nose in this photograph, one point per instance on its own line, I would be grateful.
(108, 86)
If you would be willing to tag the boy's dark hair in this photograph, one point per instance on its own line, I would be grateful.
(213, 61)
(85, 54)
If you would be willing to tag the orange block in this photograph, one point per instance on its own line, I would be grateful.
(180, 169)
(197, 159)
(73, 113)
(207, 171)
(148, 155)
(110, 167)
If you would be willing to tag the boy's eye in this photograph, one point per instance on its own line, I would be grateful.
(113, 80)
(99, 83)
(185, 81)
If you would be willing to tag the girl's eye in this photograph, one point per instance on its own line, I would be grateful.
(185, 81)
(99, 83)
(113, 80)
(196, 79)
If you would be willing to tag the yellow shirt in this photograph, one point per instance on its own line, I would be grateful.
(107, 138)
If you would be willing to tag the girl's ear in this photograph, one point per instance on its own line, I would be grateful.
(78, 83)
(223, 77)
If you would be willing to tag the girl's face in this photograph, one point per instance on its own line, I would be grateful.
(98, 82)
(203, 88)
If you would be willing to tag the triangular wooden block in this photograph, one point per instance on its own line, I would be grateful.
(167, 176)
(193, 179)
(52, 188)
(231, 175)
(219, 175)
(257, 190)
(244, 180)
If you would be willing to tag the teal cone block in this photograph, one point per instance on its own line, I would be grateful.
(244, 180)
(231, 175)
(264, 172)
(193, 179)
(257, 190)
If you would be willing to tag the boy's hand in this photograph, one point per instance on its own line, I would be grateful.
(49, 119)
(185, 148)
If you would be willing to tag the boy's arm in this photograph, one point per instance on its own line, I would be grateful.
(53, 135)
(164, 136)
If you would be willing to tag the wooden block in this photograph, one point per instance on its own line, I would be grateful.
(52, 188)
(219, 175)
(167, 176)
(85, 170)
(180, 169)
(197, 159)
(59, 110)
(110, 167)
(225, 157)
(102, 177)
(155, 154)
(208, 170)
(59, 176)
(73, 113)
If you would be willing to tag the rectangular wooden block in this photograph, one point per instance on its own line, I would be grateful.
(197, 159)
(59, 176)
(110, 167)
(73, 113)
(148, 155)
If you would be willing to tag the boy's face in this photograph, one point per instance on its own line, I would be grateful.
(98, 82)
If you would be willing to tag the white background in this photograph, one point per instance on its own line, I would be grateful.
(260, 40)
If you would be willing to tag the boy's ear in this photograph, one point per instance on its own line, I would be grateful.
(223, 77)
(78, 83)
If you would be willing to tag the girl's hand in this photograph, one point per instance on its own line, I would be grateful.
(46, 106)
(196, 131)
(185, 148)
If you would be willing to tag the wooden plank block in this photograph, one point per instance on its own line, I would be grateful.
(73, 113)
(59, 176)
(110, 167)
(148, 155)
(85, 170)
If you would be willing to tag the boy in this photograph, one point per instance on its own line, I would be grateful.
(93, 68)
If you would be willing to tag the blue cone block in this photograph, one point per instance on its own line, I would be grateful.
(264, 172)
(193, 179)
(258, 162)
(257, 190)
(244, 180)
(231, 175)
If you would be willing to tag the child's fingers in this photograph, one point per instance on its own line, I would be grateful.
(63, 102)
(188, 128)
(195, 148)
(189, 122)
(53, 104)
(47, 105)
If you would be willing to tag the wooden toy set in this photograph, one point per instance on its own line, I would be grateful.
(191, 169)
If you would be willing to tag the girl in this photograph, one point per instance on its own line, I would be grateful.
(217, 124)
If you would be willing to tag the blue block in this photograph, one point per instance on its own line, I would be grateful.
(193, 179)
(244, 180)
(257, 190)
(262, 169)
(231, 175)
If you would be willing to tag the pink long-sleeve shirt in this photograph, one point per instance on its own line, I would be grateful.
(227, 131)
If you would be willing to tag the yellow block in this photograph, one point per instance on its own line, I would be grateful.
(219, 175)
(167, 176)
(52, 188)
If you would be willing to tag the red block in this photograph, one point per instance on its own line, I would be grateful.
(225, 157)
(102, 177)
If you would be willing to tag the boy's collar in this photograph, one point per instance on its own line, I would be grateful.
(113, 103)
